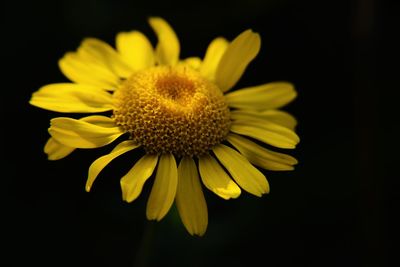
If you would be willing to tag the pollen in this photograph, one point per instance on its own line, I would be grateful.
(172, 109)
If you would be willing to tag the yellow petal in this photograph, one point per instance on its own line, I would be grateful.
(99, 120)
(266, 132)
(262, 97)
(245, 174)
(164, 188)
(132, 183)
(55, 150)
(99, 164)
(135, 49)
(190, 200)
(84, 71)
(240, 52)
(275, 116)
(261, 156)
(216, 179)
(280, 117)
(72, 98)
(168, 48)
(103, 54)
(213, 56)
(193, 62)
(83, 134)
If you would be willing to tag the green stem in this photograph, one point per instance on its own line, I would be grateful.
(142, 255)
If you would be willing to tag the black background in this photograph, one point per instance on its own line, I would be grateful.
(336, 209)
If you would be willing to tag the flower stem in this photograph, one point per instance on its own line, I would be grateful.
(142, 255)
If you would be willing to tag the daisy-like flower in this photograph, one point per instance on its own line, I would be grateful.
(179, 112)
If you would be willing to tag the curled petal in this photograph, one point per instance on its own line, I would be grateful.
(90, 133)
(132, 183)
(168, 47)
(99, 164)
(55, 150)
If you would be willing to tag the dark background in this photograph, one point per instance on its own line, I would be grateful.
(336, 209)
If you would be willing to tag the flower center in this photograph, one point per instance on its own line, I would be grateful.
(172, 109)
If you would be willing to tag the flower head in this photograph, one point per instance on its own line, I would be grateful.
(178, 113)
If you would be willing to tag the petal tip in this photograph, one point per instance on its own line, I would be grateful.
(198, 233)
(87, 188)
(155, 19)
(153, 217)
(52, 157)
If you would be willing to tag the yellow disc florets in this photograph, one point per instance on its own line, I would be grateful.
(172, 109)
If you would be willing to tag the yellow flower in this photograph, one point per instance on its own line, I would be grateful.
(174, 110)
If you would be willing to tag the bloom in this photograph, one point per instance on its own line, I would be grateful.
(173, 110)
